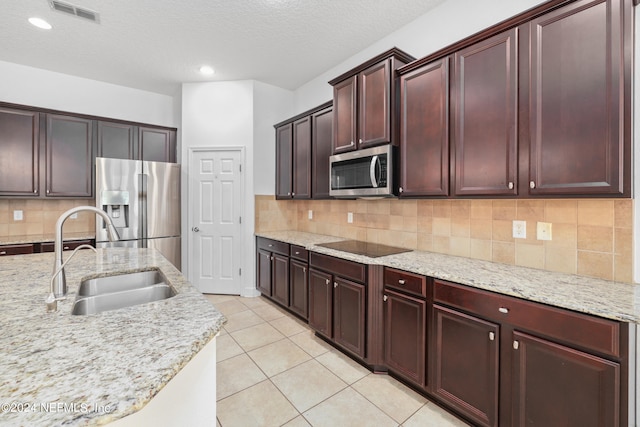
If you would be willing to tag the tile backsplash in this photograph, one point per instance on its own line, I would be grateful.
(40, 216)
(589, 237)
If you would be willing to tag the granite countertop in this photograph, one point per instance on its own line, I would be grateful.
(39, 238)
(103, 366)
(612, 300)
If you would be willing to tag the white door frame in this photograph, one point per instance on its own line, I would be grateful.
(191, 196)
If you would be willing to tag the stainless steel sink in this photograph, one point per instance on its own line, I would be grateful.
(120, 282)
(119, 291)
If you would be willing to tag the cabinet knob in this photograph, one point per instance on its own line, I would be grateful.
(516, 345)
(510, 185)
(293, 194)
(66, 248)
(385, 298)
(492, 336)
(503, 310)
(3, 253)
(360, 141)
(326, 281)
(297, 253)
(400, 189)
(289, 193)
(35, 191)
(335, 284)
(401, 281)
(270, 245)
(304, 270)
(532, 184)
(351, 144)
(271, 258)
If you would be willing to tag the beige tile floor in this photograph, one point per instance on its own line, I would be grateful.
(273, 371)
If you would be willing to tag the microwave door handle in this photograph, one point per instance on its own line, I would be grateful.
(372, 171)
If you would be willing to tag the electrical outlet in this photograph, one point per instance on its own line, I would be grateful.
(544, 230)
(17, 216)
(310, 214)
(519, 229)
(350, 217)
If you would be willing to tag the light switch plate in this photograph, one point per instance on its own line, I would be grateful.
(17, 215)
(350, 217)
(519, 229)
(544, 230)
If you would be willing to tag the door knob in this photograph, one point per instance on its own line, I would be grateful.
(196, 229)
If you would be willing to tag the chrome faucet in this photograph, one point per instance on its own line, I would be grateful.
(58, 280)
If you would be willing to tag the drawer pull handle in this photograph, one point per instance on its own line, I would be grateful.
(510, 185)
(503, 310)
(297, 253)
(516, 345)
(532, 185)
(270, 245)
(401, 281)
(385, 298)
(492, 336)
(335, 284)
(304, 270)
(3, 253)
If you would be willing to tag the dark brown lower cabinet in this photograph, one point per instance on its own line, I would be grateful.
(299, 288)
(349, 299)
(66, 246)
(466, 364)
(280, 279)
(320, 302)
(264, 272)
(555, 385)
(405, 338)
(22, 249)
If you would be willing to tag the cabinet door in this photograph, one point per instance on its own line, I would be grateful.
(424, 131)
(157, 145)
(264, 272)
(302, 158)
(349, 326)
(280, 279)
(485, 117)
(557, 385)
(344, 115)
(405, 339)
(6, 250)
(322, 136)
(69, 156)
(19, 148)
(117, 140)
(284, 135)
(320, 302)
(465, 364)
(374, 100)
(577, 118)
(298, 288)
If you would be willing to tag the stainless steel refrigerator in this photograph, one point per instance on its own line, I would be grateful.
(143, 200)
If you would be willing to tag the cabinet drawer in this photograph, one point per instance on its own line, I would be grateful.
(583, 330)
(16, 249)
(406, 282)
(340, 267)
(66, 246)
(273, 246)
(299, 252)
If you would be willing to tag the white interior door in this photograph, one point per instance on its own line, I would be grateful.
(215, 211)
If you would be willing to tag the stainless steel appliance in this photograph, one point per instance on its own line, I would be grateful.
(143, 200)
(362, 173)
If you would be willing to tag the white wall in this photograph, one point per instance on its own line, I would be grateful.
(45, 89)
(448, 23)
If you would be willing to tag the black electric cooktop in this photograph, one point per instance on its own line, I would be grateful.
(372, 250)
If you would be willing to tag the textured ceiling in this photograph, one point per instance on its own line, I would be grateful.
(155, 45)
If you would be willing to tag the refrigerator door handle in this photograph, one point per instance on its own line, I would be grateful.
(143, 208)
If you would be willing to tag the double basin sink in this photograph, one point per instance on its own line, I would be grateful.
(120, 291)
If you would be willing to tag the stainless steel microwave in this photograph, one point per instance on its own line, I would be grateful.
(362, 173)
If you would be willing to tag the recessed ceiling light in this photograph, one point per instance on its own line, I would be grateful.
(40, 23)
(207, 70)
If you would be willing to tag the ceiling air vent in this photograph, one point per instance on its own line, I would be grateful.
(74, 10)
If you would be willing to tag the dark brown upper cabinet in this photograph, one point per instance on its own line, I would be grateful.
(364, 103)
(19, 148)
(68, 156)
(157, 145)
(579, 98)
(424, 130)
(303, 147)
(484, 131)
(117, 140)
(321, 137)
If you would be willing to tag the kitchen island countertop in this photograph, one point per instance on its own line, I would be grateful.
(62, 369)
(608, 299)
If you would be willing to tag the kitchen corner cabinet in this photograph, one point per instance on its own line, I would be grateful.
(365, 103)
(303, 147)
(424, 130)
(19, 152)
(484, 131)
(405, 325)
(68, 156)
(500, 360)
(579, 116)
(337, 301)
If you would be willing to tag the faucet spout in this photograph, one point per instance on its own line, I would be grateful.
(59, 283)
